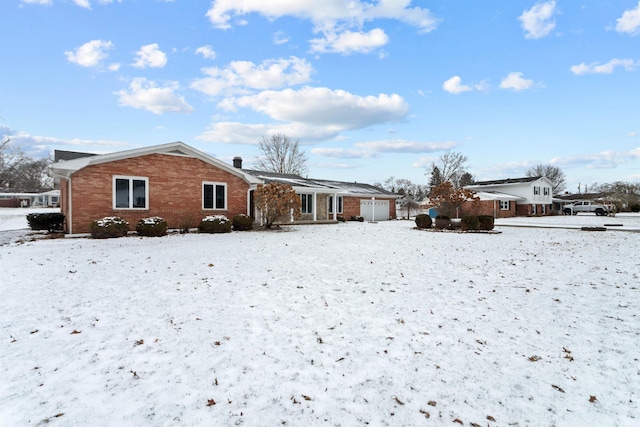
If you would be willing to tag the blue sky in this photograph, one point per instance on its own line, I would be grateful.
(371, 89)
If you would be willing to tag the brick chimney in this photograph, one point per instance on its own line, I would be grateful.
(237, 162)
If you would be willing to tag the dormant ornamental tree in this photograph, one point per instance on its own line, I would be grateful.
(276, 202)
(281, 155)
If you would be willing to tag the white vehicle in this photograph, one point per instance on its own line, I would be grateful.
(587, 206)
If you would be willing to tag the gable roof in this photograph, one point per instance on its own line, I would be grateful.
(320, 185)
(64, 169)
(506, 181)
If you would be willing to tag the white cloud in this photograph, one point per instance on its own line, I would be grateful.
(608, 68)
(45, 2)
(335, 19)
(454, 85)
(150, 56)
(323, 106)
(147, 95)
(114, 67)
(280, 38)
(309, 114)
(244, 133)
(350, 41)
(82, 3)
(206, 51)
(537, 22)
(516, 82)
(90, 54)
(364, 150)
(629, 22)
(601, 160)
(243, 76)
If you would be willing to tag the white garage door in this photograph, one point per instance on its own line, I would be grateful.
(379, 208)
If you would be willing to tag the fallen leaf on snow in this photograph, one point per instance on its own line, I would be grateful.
(139, 342)
(534, 358)
(306, 397)
(211, 402)
(490, 418)
(75, 332)
(398, 401)
(431, 403)
(458, 420)
(557, 388)
(592, 399)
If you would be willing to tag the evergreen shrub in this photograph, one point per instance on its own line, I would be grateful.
(469, 222)
(108, 227)
(50, 221)
(442, 222)
(423, 221)
(215, 224)
(485, 222)
(242, 222)
(154, 226)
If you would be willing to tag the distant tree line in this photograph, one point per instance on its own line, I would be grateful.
(20, 173)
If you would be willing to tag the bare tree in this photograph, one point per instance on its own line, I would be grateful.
(281, 155)
(553, 173)
(451, 167)
(19, 172)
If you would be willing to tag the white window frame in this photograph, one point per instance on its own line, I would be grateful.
(131, 179)
(215, 206)
(547, 191)
(536, 191)
(505, 205)
(304, 207)
(330, 204)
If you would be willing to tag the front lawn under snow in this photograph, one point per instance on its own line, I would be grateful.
(346, 324)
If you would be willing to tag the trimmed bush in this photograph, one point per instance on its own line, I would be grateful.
(485, 222)
(442, 222)
(108, 227)
(242, 222)
(357, 218)
(152, 227)
(215, 224)
(51, 221)
(469, 222)
(635, 208)
(423, 221)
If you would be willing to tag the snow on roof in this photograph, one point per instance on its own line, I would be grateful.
(322, 185)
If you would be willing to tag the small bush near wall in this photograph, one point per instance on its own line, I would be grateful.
(357, 218)
(485, 222)
(442, 222)
(215, 224)
(423, 221)
(152, 227)
(635, 208)
(108, 227)
(469, 222)
(242, 222)
(50, 222)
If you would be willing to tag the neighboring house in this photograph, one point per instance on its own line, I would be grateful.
(17, 200)
(514, 197)
(183, 185)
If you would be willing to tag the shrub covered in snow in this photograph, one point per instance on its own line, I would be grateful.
(108, 227)
(423, 221)
(154, 226)
(242, 222)
(215, 224)
(485, 222)
(50, 221)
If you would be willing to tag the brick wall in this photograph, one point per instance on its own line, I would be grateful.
(175, 190)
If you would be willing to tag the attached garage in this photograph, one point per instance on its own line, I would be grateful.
(374, 210)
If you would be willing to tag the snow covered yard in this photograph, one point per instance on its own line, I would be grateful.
(346, 324)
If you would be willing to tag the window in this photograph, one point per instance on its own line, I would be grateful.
(504, 205)
(214, 195)
(307, 203)
(339, 204)
(536, 191)
(547, 191)
(533, 210)
(130, 192)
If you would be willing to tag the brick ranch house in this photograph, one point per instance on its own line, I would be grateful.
(531, 196)
(183, 185)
